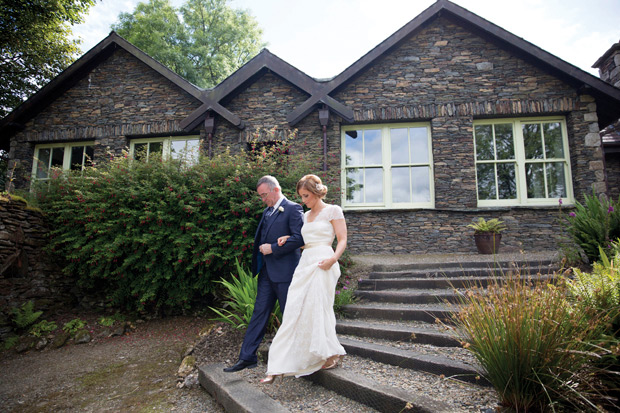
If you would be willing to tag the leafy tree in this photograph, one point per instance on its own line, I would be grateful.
(35, 45)
(209, 43)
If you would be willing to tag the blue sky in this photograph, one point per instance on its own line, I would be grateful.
(324, 37)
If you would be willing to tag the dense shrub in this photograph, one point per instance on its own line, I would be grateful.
(153, 236)
(598, 293)
(535, 349)
(594, 224)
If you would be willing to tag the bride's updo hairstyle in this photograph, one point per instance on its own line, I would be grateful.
(312, 184)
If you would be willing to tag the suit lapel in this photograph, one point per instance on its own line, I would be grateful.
(274, 216)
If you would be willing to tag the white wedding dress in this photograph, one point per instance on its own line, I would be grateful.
(307, 336)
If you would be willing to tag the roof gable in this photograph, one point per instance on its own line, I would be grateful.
(79, 69)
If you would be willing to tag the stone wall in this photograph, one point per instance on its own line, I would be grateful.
(34, 276)
(612, 167)
(120, 98)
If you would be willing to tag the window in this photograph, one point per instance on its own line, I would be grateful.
(387, 166)
(186, 148)
(522, 162)
(68, 156)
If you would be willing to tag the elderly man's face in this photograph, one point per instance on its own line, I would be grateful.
(269, 197)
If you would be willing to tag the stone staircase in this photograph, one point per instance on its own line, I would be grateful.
(395, 323)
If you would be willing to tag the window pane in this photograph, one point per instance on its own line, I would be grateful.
(400, 146)
(177, 149)
(401, 185)
(58, 155)
(354, 145)
(484, 143)
(43, 163)
(421, 184)
(554, 147)
(556, 182)
(504, 141)
(535, 177)
(532, 140)
(486, 181)
(155, 148)
(355, 185)
(506, 181)
(372, 147)
(77, 158)
(193, 151)
(139, 151)
(90, 154)
(374, 185)
(419, 145)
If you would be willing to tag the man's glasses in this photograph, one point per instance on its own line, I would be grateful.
(264, 195)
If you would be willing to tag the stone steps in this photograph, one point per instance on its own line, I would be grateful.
(394, 325)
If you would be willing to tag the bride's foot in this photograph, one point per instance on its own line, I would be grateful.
(331, 363)
(268, 380)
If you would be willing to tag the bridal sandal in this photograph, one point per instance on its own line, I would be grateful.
(269, 379)
(331, 363)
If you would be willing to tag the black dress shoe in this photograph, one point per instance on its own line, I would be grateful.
(240, 365)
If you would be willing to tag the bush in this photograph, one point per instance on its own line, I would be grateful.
(152, 236)
(74, 326)
(42, 328)
(594, 224)
(240, 295)
(535, 350)
(598, 295)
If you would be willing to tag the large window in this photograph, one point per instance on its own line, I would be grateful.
(522, 162)
(68, 156)
(186, 148)
(387, 166)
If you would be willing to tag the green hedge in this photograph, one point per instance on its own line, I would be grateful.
(153, 236)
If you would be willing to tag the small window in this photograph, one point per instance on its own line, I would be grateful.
(185, 148)
(67, 156)
(387, 166)
(522, 162)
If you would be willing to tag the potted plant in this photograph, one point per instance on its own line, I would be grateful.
(487, 234)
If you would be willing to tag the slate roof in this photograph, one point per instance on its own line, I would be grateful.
(319, 92)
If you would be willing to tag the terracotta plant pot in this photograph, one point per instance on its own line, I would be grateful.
(487, 242)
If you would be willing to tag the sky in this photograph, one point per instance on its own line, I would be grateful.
(324, 37)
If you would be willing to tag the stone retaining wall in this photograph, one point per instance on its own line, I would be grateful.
(34, 276)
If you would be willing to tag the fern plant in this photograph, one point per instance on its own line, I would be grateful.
(25, 315)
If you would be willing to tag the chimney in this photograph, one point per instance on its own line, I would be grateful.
(608, 65)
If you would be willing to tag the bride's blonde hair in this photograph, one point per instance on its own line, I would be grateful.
(312, 184)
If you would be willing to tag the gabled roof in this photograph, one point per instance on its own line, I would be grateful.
(264, 61)
(320, 92)
(527, 51)
(80, 68)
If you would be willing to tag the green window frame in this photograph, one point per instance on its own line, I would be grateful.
(522, 162)
(387, 166)
(66, 156)
(186, 148)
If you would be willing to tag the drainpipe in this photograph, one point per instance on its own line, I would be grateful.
(324, 119)
(209, 126)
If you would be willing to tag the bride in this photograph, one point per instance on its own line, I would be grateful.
(306, 341)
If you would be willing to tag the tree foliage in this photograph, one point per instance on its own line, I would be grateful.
(35, 45)
(204, 41)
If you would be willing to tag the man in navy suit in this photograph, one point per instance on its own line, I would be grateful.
(274, 264)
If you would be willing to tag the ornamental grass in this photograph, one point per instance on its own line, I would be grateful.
(534, 348)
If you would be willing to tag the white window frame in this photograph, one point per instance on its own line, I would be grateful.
(66, 162)
(520, 161)
(386, 167)
(166, 143)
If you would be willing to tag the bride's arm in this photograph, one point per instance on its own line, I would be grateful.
(340, 228)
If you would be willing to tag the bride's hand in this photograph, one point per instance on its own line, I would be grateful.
(282, 240)
(326, 264)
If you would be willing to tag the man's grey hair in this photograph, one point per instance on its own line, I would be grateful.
(270, 181)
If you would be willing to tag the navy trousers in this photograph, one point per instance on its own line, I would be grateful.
(267, 294)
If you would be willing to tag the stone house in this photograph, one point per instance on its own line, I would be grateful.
(449, 119)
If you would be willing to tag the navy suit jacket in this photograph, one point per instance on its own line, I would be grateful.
(281, 263)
